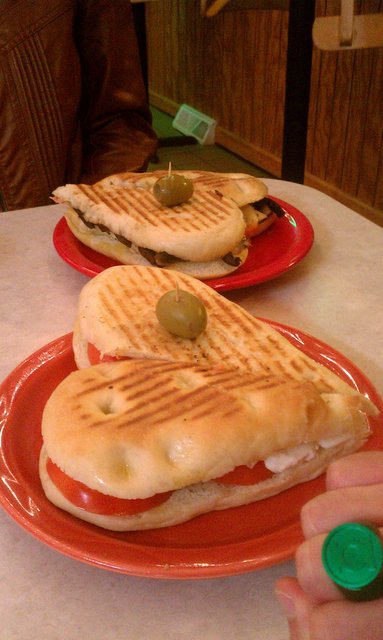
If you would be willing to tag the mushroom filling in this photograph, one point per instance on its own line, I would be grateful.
(159, 258)
(268, 206)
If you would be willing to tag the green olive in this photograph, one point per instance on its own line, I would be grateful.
(182, 314)
(173, 189)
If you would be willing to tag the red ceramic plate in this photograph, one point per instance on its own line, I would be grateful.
(217, 544)
(272, 253)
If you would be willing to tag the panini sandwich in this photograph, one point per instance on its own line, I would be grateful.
(143, 444)
(204, 237)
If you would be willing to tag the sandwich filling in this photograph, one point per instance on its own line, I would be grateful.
(159, 258)
(93, 501)
(265, 208)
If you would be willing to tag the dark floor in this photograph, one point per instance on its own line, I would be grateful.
(195, 155)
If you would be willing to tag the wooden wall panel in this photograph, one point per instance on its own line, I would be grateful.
(232, 68)
(372, 184)
(345, 135)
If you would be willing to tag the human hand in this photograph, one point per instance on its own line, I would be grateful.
(314, 606)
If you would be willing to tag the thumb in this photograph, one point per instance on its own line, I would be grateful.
(296, 607)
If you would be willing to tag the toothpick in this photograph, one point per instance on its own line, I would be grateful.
(170, 169)
(177, 292)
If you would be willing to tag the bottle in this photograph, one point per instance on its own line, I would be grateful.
(352, 556)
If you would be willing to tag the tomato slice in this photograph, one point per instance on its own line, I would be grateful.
(244, 475)
(95, 357)
(94, 501)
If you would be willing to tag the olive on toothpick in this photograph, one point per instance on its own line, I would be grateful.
(182, 313)
(173, 189)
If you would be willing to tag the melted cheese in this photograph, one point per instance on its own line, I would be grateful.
(283, 460)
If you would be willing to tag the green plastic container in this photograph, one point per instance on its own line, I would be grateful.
(352, 556)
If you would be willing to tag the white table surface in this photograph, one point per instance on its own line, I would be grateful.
(335, 294)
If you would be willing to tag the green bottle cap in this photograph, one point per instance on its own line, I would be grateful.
(352, 555)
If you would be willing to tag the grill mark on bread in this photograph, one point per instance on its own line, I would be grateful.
(212, 182)
(207, 406)
(203, 211)
(153, 279)
(205, 349)
(204, 397)
(228, 349)
(94, 386)
(234, 317)
(168, 403)
(139, 412)
(209, 180)
(237, 339)
(221, 377)
(215, 206)
(260, 384)
(201, 179)
(116, 302)
(308, 364)
(236, 380)
(98, 195)
(170, 407)
(139, 391)
(113, 300)
(324, 386)
(230, 318)
(297, 365)
(169, 397)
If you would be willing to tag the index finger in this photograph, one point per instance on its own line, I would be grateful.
(349, 504)
(357, 469)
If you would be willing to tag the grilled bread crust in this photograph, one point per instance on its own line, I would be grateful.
(206, 227)
(239, 187)
(135, 428)
(107, 244)
(116, 314)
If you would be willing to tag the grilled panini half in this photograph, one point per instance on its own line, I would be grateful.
(203, 237)
(139, 429)
(116, 318)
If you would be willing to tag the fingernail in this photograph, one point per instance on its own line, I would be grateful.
(287, 603)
